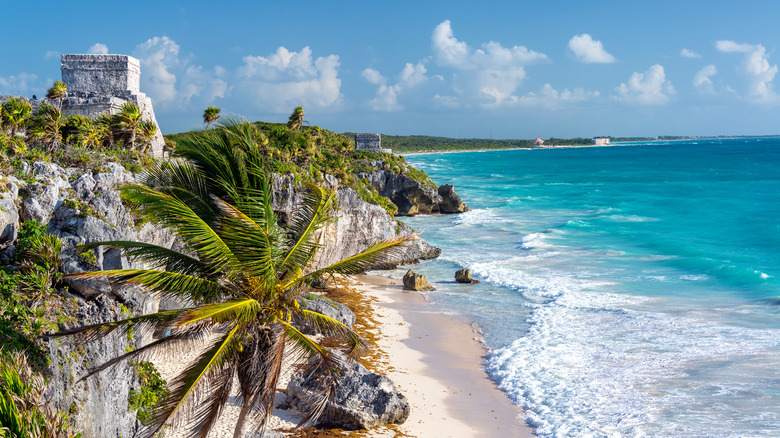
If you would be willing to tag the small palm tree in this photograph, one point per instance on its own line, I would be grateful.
(128, 121)
(244, 273)
(58, 92)
(210, 115)
(106, 126)
(16, 115)
(146, 132)
(46, 126)
(295, 122)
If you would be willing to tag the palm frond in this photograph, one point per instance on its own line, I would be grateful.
(360, 262)
(164, 283)
(171, 212)
(239, 311)
(141, 323)
(182, 180)
(189, 388)
(169, 344)
(311, 216)
(332, 327)
(158, 256)
(302, 341)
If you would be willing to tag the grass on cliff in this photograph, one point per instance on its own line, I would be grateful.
(312, 152)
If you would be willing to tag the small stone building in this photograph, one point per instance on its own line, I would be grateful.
(370, 142)
(101, 84)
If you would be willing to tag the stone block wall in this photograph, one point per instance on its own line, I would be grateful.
(101, 74)
(368, 142)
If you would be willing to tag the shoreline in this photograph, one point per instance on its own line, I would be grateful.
(449, 393)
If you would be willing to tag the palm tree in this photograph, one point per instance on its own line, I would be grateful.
(106, 125)
(210, 115)
(57, 91)
(243, 272)
(295, 121)
(147, 131)
(128, 121)
(16, 114)
(46, 126)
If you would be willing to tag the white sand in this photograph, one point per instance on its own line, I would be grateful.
(434, 360)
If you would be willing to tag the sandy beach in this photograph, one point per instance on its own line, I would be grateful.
(434, 359)
(436, 362)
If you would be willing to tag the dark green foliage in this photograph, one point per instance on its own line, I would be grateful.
(153, 390)
(29, 303)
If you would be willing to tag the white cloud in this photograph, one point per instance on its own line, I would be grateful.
(373, 77)
(551, 98)
(446, 101)
(386, 98)
(687, 53)
(702, 79)
(589, 51)
(170, 80)
(285, 79)
(51, 54)
(20, 84)
(489, 75)
(756, 68)
(387, 95)
(449, 51)
(648, 88)
(731, 46)
(413, 74)
(98, 49)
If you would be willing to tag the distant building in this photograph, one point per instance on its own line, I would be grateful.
(538, 142)
(371, 143)
(601, 141)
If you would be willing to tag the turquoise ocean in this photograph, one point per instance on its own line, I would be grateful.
(629, 290)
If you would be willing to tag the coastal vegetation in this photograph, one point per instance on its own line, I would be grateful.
(422, 143)
(242, 270)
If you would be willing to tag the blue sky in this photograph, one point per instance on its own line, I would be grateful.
(513, 69)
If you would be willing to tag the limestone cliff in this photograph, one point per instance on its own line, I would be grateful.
(413, 196)
(83, 206)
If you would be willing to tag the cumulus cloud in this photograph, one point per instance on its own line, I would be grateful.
(490, 74)
(551, 98)
(98, 49)
(286, 79)
(19, 84)
(756, 68)
(648, 88)
(589, 51)
(51, 54)
(387, 95)
(449, 51)
(687, 53)
(170, 79)
(373, 77)
(702, 79)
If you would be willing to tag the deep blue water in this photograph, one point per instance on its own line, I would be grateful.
(626, 290)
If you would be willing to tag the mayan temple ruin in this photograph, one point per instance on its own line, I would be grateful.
(101, 84)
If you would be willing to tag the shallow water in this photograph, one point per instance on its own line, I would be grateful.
(626, 290)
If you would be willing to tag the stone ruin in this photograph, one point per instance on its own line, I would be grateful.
(371, 143)
(101, 84)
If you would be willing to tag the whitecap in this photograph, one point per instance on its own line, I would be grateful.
(475, 217)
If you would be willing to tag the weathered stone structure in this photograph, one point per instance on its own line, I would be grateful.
(370, 142)
(101, 84)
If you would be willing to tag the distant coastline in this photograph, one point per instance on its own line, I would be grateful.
(612, 144)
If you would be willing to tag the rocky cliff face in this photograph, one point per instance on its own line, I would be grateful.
(83, 206)
(80, 207)
(358, 225)
(413, 197)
